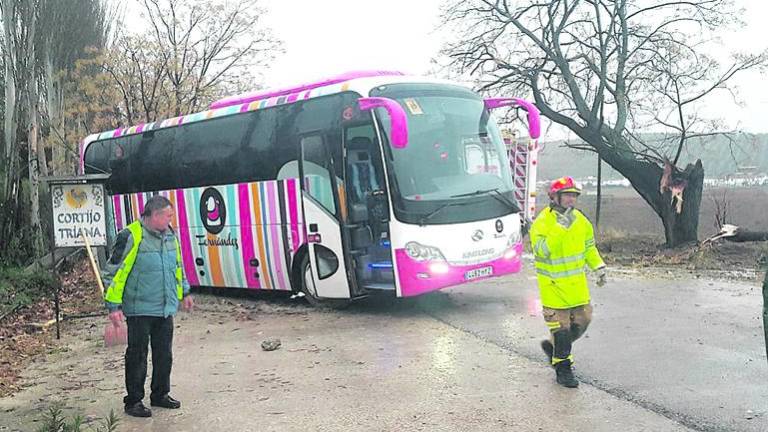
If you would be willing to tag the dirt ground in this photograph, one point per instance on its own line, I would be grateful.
(370, 368)
(31, 331)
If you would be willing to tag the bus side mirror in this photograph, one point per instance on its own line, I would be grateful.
(358, 213)
(534, 120)
(398, 121)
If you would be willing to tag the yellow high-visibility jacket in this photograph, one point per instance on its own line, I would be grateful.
(563, 244)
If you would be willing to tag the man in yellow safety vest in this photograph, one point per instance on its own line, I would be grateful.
(146, 287)
(563, 245)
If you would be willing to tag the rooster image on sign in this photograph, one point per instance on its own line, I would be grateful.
(76, 198)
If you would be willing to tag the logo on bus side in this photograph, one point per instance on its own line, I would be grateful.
(213, 212)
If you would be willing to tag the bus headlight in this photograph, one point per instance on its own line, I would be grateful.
(420, 252)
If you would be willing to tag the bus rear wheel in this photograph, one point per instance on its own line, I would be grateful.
(310, 290)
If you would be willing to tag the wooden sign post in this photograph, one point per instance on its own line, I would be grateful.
(78, 219)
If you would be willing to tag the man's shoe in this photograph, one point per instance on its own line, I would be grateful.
(166, 402)
(565, 375)
(138, 410)
(548, 349)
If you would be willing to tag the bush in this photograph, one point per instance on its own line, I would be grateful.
(55, 421)
(18, 288)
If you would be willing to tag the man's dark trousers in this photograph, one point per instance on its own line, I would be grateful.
(142, 330)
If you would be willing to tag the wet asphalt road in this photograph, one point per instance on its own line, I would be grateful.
(691, 350)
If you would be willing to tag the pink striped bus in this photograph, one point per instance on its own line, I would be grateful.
(363, 183)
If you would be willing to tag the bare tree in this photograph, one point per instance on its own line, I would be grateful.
(71, 30)
(206, 46)
(38, 39)
(19, 24)
(137, 67)
(606, 70)
(721, 204)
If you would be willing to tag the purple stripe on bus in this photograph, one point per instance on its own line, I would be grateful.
(81, 150)
(140, 127)
(140, 200)
(293, 211)
(118, 212)
(246, 235)
(264, 94)
(264, 227)
(292, 97)
(274, 235)
(186, 248)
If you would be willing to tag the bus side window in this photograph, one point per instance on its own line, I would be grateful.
(120, 156)
(263, 153)
(152, 164)
(96, 157)
(317, 179)
(208, 152)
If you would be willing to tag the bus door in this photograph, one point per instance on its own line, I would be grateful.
(321, 215)
(367, 222)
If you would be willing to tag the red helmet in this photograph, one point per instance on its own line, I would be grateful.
(564, 184)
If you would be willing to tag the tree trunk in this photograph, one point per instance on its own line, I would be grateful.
(748, 236)
(683, 228)
(765, 312)
(33, 146)
(10, 102)
(645, 178)
(599, 192)
(34, 180)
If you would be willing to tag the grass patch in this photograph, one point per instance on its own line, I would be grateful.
(54, 420)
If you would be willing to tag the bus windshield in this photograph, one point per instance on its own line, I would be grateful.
(455, 156)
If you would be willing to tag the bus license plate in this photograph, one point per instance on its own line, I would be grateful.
(478, 273)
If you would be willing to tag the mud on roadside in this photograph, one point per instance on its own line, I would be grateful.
(645, 256)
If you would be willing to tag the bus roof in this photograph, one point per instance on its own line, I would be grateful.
(265, 94)
(360, 81)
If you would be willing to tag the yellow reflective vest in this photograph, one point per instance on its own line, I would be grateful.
(116, 288)
(563, 244)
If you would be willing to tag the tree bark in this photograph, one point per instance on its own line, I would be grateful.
(9, 127)
(599, 192)
(645, 178)
(748, 236)
(683, 228)
(33, 156)
(765, 312)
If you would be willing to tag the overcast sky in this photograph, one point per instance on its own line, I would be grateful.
(332, 36)
(323, 38)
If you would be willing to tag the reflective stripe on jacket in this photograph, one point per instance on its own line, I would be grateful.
(147, 280)
(563, 244)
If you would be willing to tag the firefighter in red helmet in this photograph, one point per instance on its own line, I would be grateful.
(563, 245)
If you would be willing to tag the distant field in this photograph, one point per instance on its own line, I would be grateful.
(625, 211)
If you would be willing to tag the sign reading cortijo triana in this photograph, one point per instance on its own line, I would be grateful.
(78, 210)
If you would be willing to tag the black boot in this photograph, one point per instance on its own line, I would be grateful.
(166, 402)
(138, 410)
(548, 349)
(565, 375)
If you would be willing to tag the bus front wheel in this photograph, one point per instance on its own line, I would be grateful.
(310, 290)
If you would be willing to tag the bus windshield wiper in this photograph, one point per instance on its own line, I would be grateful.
(496, 194)
(429, 216)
